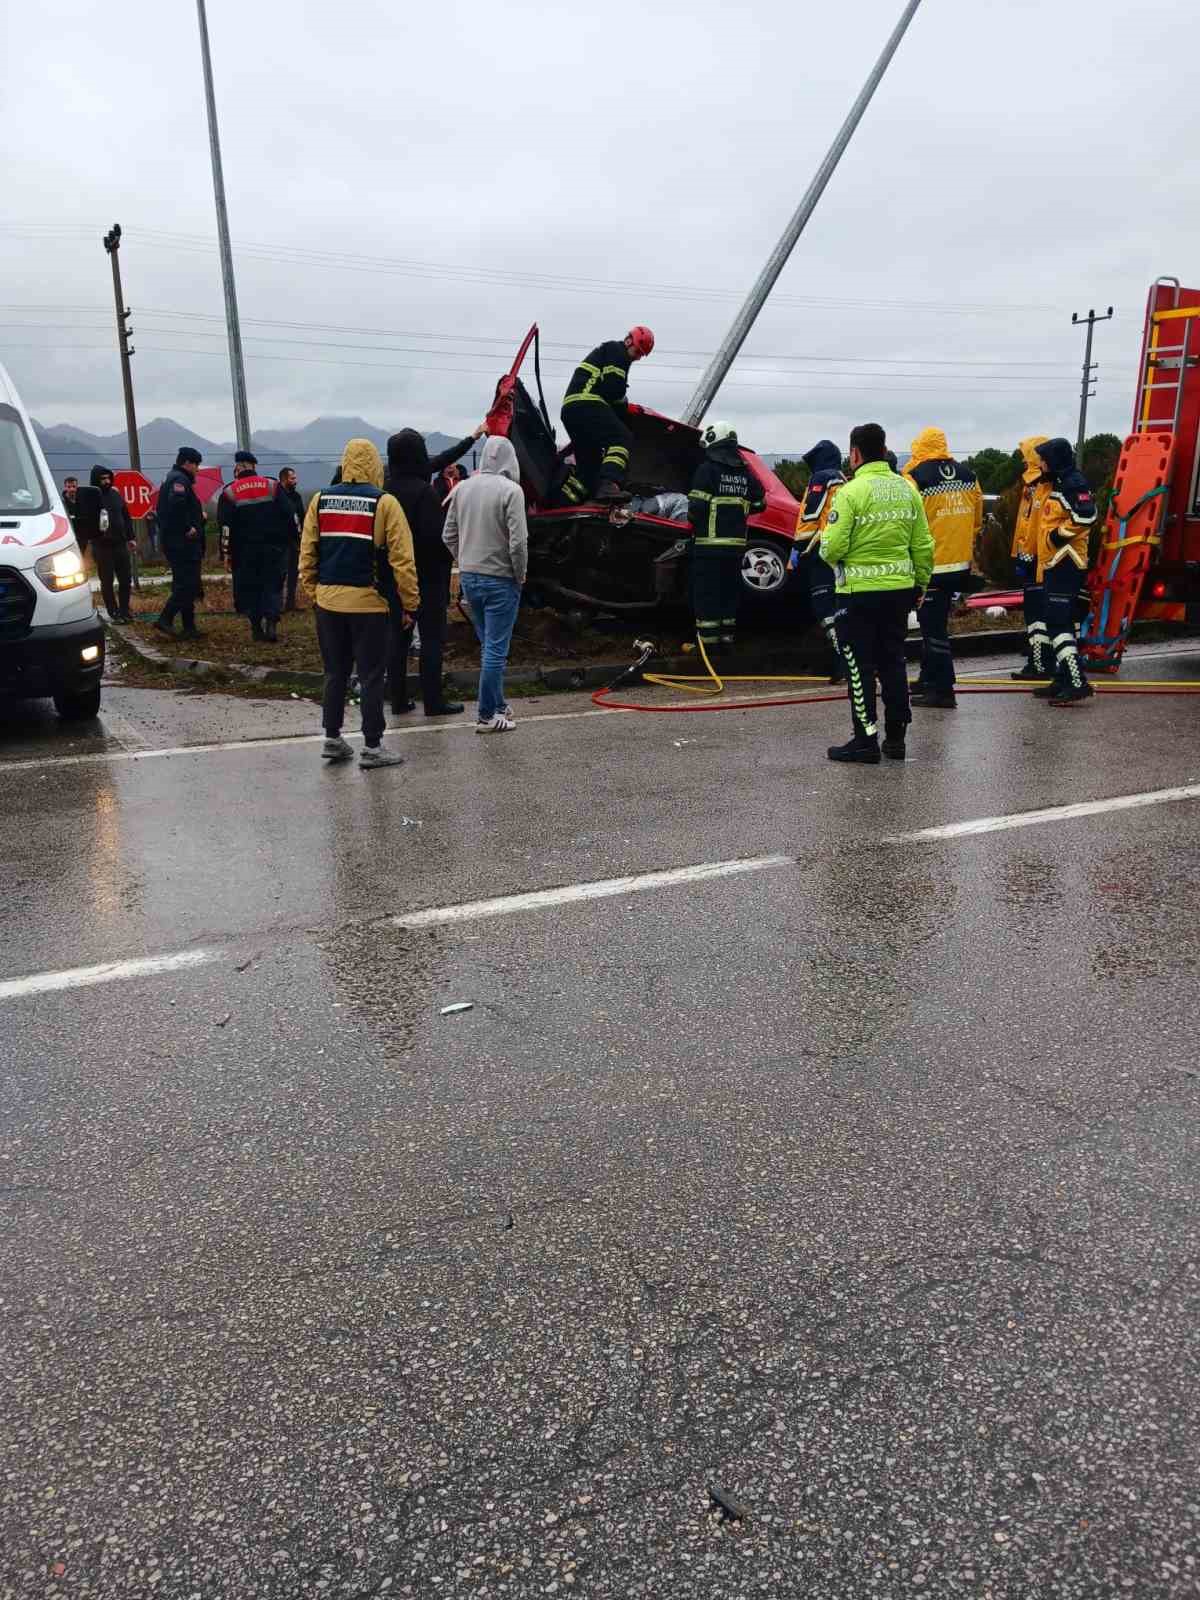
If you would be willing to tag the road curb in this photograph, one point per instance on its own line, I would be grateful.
(807, 653)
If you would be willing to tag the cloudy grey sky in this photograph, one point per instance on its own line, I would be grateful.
(411, 186)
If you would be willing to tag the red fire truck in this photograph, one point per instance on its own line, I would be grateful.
(1148, 566)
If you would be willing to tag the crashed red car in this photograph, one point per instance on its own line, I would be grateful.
(595, 557)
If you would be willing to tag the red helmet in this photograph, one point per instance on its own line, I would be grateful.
(641, 339)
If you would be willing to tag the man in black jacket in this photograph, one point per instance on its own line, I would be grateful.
(102, 521)
(255, 519)
(181, 536)
(722, 496)
(287, 482)
(409, 469)
(595, 412)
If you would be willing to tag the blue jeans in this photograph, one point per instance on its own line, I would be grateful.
(494, 603)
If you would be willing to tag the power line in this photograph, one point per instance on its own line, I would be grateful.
(512, 278)
(410, 366)
(506, 342)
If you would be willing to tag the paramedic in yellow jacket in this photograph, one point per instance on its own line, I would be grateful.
(1035, 486)
(1067, 519)
(356, 552)
(954, 510)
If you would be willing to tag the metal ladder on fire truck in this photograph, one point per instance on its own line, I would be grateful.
(1133, 529)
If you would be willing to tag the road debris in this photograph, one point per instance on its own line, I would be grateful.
(459, 1005)
(731, 1510)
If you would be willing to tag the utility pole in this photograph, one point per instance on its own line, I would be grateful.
(1086, 391)
(112, 243)
(237, 368)
(720, 364)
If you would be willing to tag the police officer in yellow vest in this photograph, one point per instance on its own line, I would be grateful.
(1034, 488)
(954, 510)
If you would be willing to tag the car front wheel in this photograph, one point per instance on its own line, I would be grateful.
(764, 568)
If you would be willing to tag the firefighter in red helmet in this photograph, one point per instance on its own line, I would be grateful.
(595, 414)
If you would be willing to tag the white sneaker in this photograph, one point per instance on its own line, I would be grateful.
(336, 750)
(500, 723)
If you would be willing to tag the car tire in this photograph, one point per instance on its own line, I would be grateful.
(80, 706)
(765, 575)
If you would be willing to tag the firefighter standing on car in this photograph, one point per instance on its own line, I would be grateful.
(1035, 486)
(595, 414)
(722, 496)
(954, 511)
(257, 522)
(824, 463)
(1067, 518)
(878, 543)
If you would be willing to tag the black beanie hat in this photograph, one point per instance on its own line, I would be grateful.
(188, 454)
(245, 456)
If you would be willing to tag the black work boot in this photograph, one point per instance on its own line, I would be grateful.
(936, 700)
(861, 749)
(270, 630)
(256, 632)
(893, 741)
(611, 494)
(1070, 686)
(1030, 673)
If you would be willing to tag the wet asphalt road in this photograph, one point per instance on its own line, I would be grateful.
(865, 1188)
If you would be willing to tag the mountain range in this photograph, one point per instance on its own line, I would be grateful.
(314, 450)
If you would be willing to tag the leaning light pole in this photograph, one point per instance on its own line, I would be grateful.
(721, 362)
(237, 367)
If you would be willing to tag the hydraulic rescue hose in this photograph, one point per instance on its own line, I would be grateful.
(711, 685)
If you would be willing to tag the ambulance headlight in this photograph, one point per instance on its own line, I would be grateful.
(62, 570)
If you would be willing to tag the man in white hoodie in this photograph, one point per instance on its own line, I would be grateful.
(487, 534)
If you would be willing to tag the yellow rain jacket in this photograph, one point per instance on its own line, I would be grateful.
(953, 500)
(384, 521)
(1033, 494)
(1068, 511)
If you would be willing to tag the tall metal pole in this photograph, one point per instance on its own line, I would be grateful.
(721, 362)
(1085, 389)
(112, 243)
(237, 369)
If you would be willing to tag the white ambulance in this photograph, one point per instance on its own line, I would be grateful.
(51, 640)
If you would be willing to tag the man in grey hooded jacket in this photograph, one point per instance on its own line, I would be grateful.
(487, 534)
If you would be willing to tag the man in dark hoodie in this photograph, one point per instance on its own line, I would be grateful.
(103, 523)
(824, 462)
(409, 469)
(722, 496)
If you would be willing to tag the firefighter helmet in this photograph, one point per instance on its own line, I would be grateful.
(641, 339)
(718, 433)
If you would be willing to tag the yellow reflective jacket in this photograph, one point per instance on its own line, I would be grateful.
(1068, 511)
(1034, 490)
(953, 500)
(814, 513)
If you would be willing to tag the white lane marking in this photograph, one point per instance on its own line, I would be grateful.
(572, 893)
(1031, 819)
(461, 725)
(80, 977)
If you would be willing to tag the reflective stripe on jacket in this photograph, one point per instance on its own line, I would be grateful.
(722, 496)
(953, 500)
(602, 377)
(876, 536)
